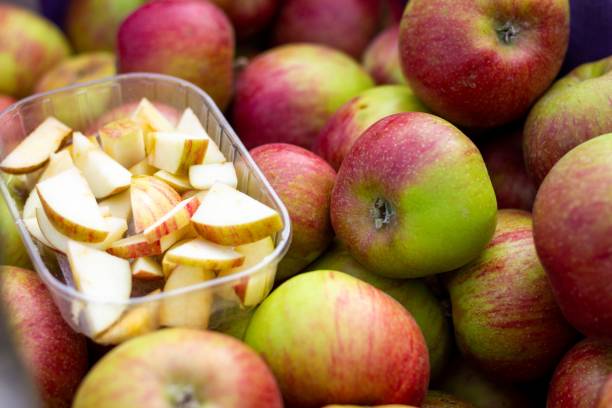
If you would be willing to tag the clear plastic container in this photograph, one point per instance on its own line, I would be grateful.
(85, 106)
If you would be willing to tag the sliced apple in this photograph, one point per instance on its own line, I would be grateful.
(188, 309)
(58, 163)
(179, 183)
(204, 176)
(229, 217)
(177, 218)
(175, 152)
(123, 140)
(207, 255)
(143, 169)
(72, 207)
(151, 199)
(191, 125)
(31, 204)
(103, 276)
(137, 246)
(138, 320)
(167, 267)
(31, 225)
(146, 113)
(146, 268)
(119, 205)
(34, 151)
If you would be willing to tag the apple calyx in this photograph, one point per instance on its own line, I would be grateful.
(508, 32)
(382, 213)
(182, 396)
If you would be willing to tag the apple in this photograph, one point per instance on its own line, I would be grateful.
(234, 321)
(605, 399)
(13, 251)
(92, 25)
(323, 332)
(151, 199)
(175, 152)
(123, 140)
(190, 368)
(249, 17)
(191, 125)
(194, 32)
(143, 168)
(80, 68)
(58, 163)
(5, 102)
(483, 64)
(414, 295)
(575, 109)
(146, 268)
(439, 399)
(137, 246)
(381, 57)
(204, 176)
(505, 316)
(304, 182)
(54, 354)
(174, 220)
(413, 198)
(347, 25)
(354, 117)
(31, 45)
(581, 376)
(204, 254)
(153, 116)
(288, 93)
(179, 183)
(572, 218)
(119, 205)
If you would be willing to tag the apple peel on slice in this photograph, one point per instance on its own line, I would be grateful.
(191, 125)
(123, 140)
(146, 268)
(204, 176)
(175, 152)
(177, 218)
(204, 254)
(137, 246)
(179, 183)
(151, 199)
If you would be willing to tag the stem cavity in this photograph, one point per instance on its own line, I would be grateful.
(508, 33)
(382, 212)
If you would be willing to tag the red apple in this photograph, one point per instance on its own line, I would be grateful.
(55, 355)
(190, 39)
(482, 64)
(249, 16)
(304, 182)
(583, 377)
(572, 218)
(381, 58)
(5, 102)
(180, 368)
(287, 94)
(331, 338)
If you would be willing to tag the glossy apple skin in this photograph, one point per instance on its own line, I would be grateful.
(304, 183)
(81, 68)
(505, 316)
(30, 46)
(456, 62)
(575, 109)
(249, 17)
(381, 57)
(581, 376)
(190, 39)
(54, 354)
(439, 205)
(288, 93)
(439, 399)
(572, 218)
(349, 122)
(347, 25)
(5, 102)
(323, 332)
(413, 294)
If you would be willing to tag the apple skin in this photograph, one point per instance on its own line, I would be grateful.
(575, 109)
(505, 316)
(304, 183)
(413, 198)
(249, 17)
(572, 219)
(5, 102)
(414, 295)
(581, 376)
(233, 321)
(54, 354)
(288, 93)
(439, 399)
(30, 46)
(347, 25)
(190, 39)
(80, 68)
(354, 117)
(381, 58)
(12, 250)
(454, 56)
(323, 332)
(171, 366)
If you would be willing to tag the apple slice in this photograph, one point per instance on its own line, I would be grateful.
(58, 163)
(123, 140)
(175, 152)
(137, 246)
(146, 113)
(151, 199)
(177, 218)
(119, 205)
(72, 207)
(207, 255)
(167, 267)
(189, 309)
(31, 204)
(191, 125)
(138, 320)
(229, 217)
(251, 290)
(105, 211)
(103, 276)
(179, 183)
(31, 225)
(143, 169)
(34, 151)
(146, 268)
(204, 176)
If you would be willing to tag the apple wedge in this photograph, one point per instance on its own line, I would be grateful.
(147, 114)
(175, 152)
(143, 168)
(31, 204)
(229, 217)
(72, 207)
(146, 268)
(31, 225)
(167, 267)
(204, 176)
(58, 163)
(191, 125)
(138, 320)
(103, 276)
(104, 175)
(151, 199)
(179, 183)
(119, 205)
(177, 218)
(137, 246)
(189, 309)
(34, 151)
(207, 255)
(123, 140)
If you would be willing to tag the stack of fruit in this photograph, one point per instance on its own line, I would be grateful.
(448, 175)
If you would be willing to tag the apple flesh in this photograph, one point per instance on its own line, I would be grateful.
(381, 58)
(179, 183)
(175, 152)
(146, 268)
(137, 246)
(123, 140)
(413, 198)
(119, 205)
(174, 220)
(441, 39)
(58, 163)
(190, 124)
(204, 254)
(81, 68)
(204, 176)
(151, 199)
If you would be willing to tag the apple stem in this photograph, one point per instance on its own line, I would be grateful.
(182, 396)
(508, 33)
(382, 213)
